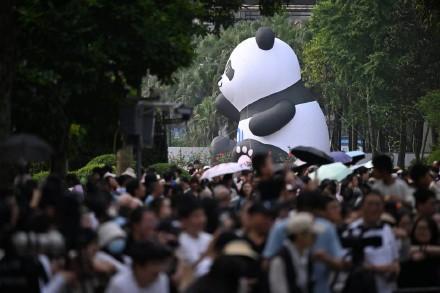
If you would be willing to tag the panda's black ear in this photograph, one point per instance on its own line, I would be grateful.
(265, 38)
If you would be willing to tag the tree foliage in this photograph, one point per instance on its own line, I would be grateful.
(270, 7)
(77, 60)
(219, 13)
(372, 61)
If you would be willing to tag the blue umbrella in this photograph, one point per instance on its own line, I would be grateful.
(356, 156)
(341, 157)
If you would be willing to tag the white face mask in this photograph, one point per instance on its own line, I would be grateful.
(112, 212)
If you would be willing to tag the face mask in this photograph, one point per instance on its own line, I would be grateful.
(116, 246)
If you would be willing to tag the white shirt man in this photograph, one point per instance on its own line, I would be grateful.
(383, 259)
(126, 282)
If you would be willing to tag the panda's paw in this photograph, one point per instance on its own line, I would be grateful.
(244, 154)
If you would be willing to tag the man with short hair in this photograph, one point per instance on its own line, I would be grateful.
(157, 189)
(263, 166)
(425, 203)
(147, 274)
(382, 260)
(327, 249)
(136, 189)
(422, 179)
(393, 189)
(193, 240)
(223, 196)
(142, 223)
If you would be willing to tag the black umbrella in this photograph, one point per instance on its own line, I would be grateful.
(311, 155)
(24, 148)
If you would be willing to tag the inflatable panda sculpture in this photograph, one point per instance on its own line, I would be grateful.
(262, 90)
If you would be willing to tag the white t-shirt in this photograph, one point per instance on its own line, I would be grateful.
(385, 254)
(398, 188)
(120, 266)
(125, 282)
(190, 248)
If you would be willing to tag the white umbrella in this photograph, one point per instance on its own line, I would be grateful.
(367, 165)
(335, 171)
(224, 168)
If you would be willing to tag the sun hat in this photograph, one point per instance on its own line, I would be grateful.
(108, 232)
(109, 174)
(239, 248)
(302, 222)
(129, 172)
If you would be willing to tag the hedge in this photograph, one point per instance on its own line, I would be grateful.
(109, 160)
(162, 168)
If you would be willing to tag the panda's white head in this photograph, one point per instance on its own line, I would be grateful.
(258, 67)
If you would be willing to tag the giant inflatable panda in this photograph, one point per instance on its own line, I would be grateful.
(262, 90)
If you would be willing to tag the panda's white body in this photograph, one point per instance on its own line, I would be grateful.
(307, 128)
(260, 73)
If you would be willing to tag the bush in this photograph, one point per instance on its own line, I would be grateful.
(85, 171)
(107, 159)
(40, 176)
(162, 168)
(434, 156)
(96, 162)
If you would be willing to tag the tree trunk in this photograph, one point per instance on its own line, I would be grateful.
(159, 153)
(354, 137)
(7, 76)
(124, 159)
(424, 142)
(59, 157)
(7, 64)
(370, 123)
(336, 131)
(418, 138)
(402, 144)
(434, 137)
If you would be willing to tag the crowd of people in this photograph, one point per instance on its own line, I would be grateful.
(273, 229)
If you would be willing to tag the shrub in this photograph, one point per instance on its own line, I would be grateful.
(162, 168)
(40, 176)
(434, 156)
(107, 159)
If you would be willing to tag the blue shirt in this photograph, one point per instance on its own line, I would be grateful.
(276, 238)
(327, 241)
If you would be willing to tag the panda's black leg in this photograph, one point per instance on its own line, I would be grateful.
(246, 149)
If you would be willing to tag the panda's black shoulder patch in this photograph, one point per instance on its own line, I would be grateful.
(265, 38)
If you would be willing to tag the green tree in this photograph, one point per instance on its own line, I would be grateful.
(7, 63)
(430, 106)
(372, 60)
(219, 13)
(78, 60)
(270, 7)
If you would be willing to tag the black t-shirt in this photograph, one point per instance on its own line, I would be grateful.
(423, 273)
(20, 274)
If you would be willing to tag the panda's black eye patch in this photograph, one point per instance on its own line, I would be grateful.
(229, 71)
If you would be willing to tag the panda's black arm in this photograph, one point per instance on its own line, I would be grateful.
(226, 108)
(272, 119)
